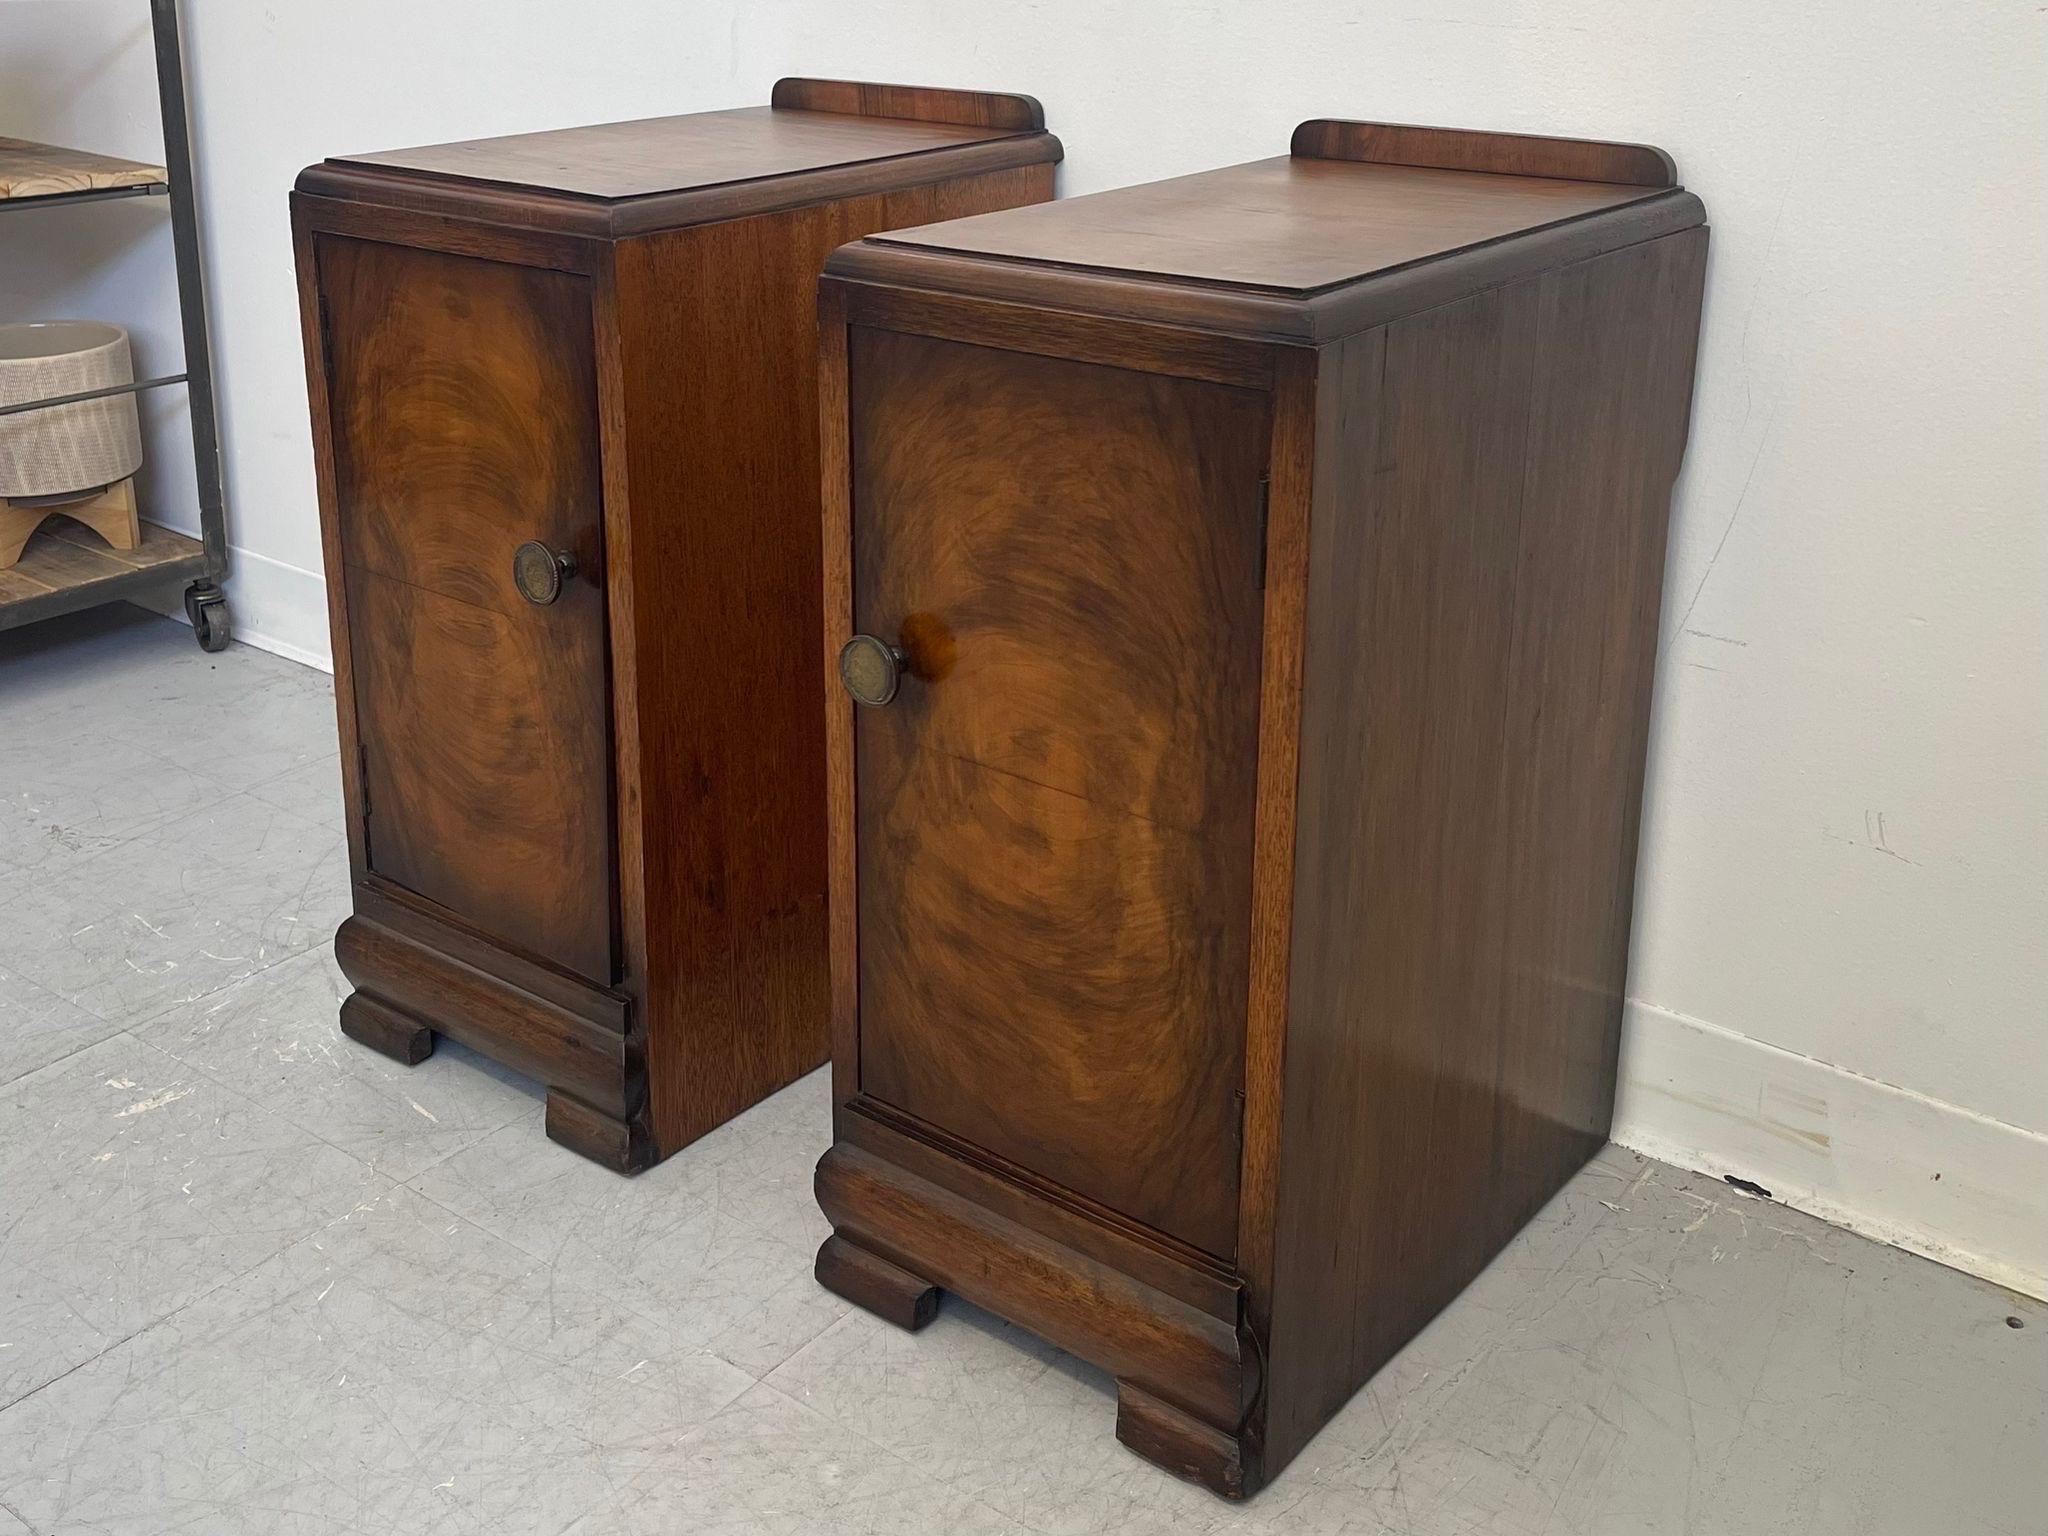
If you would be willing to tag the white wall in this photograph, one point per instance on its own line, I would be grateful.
(1838, 984)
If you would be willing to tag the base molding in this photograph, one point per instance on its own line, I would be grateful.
(409, 990)
(1917, 1173)
(1187, 1381)
(489, 1014)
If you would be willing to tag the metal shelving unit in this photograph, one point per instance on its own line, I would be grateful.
(65, 567)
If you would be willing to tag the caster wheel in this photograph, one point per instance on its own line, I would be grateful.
(207, 608)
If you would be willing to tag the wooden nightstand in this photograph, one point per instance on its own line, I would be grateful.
(1253, 579)
(564, 413)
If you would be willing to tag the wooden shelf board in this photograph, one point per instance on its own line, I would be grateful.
(28, 169)
(67, 566)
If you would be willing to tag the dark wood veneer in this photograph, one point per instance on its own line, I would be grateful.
(1286, 226)
(1511, 154)
(913, 103)
(1230, 913)
(586, 837)
(465, 422)
(1056, 824)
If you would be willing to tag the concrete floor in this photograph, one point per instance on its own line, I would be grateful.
(256, 1279)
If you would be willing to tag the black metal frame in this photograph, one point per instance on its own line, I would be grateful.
(50, 402)
(205, 604)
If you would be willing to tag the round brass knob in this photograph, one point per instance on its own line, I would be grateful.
(538, 572)
(871, 670)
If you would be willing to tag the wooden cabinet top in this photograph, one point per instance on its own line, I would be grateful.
(1292, 247)
(1287, 225)
(816, 139)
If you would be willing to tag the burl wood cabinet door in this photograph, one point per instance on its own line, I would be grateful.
(1054, 814)
(465, 425)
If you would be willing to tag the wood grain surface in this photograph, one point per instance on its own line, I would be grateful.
(720, 480)
(109, 513)
(465, 424)
(62, 559)
(606, 823)
(674, 154)
(29, 169)
(917, 103)
(1055, 816)
(1490, 530)
(1287, 224)
(1423, 912)
(1201, 1363)
(1608, 425)
(883, 269)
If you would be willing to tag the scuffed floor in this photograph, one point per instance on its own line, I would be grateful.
(254, 1279)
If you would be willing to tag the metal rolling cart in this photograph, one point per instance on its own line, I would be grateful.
(62, 570)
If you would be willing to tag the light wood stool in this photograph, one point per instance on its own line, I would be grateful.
(109, 513)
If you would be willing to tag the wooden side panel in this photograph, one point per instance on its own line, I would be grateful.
(464, 423)
(1608, 429)
(1392, 1026)
(1054, 817)
(313, 339)
(1493, 485)
(718, 391)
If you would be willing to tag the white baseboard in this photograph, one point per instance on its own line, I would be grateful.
(1897, 1166)
(275, 607)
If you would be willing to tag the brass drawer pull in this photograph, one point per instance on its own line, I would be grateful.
(871, 669)
(538, 572)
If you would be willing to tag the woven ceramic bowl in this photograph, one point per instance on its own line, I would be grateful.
(69, 447)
